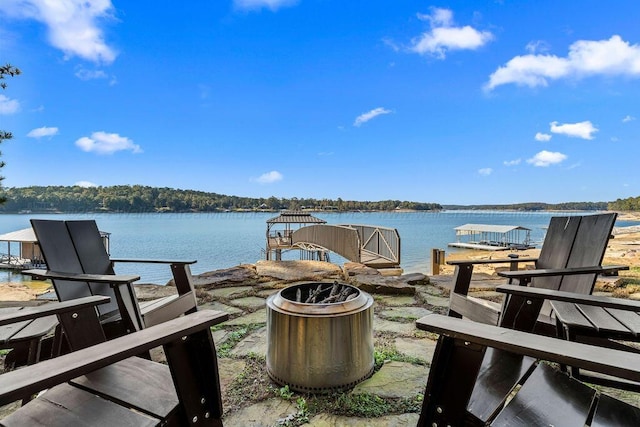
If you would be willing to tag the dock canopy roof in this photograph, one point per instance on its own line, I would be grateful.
(295, 217)
(487, 228)
(25, 235)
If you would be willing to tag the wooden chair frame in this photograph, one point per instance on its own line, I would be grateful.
(90, 371)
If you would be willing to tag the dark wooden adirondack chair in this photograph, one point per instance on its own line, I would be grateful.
(569, 260)
(79, 265)
(103, 384)
(487, 375)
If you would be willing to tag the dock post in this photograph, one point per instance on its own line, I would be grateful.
(437, 259)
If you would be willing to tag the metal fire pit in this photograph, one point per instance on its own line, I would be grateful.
(319, 348)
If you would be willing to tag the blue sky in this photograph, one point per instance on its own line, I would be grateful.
(453, 102)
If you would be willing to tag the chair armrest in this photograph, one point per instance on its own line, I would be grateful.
(31, 313)
(23, 382)
(525, 276)
(491, 261)
(153, 261)
(548, 294)
(97, 278)
(618, 363)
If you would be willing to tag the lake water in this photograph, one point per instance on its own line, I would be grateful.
(223, 240)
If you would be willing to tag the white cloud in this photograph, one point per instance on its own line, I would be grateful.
(584, 130)
(84, 74)
(8, 105)
(107, 143)
(270, 177)
(610, 57)
(43, 131)
(444, 36)
(514, 162)
(73, 25)
(542, 137)
(628, 119)
(85, 184)
(485, 171)
(546, 158)
(365, 117)
(537, 46)
(259, 4)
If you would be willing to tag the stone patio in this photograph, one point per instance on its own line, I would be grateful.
(397, 305)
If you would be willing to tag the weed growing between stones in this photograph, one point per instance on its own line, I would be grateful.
(234, 338)
(362, 405)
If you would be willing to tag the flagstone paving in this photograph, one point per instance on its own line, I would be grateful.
(255, 343)
(394, 380)
(328, 420)
(250, 303)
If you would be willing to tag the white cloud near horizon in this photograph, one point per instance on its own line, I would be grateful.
(85, 184)
(107, 143)
(8, 105)
(444, 36)
(485, 171)
(42, 132)
(612, 57)
(365, 117)
(628, 118)
(270, 177)
(73, 26)
(543, 137)
(584, 130)
(514, 162)
(273, 5)
(546, 158)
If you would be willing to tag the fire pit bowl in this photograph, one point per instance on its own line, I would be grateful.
(323, 346)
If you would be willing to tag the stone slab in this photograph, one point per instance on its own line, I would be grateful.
(229, 370)
(267, 292)
(383, 285)
(384, 325)
(250, 303)
(437, 301)
(234, 275)
(395, 380)
(405, 314)
(421, 348)
(216, 305)
(231, 292)
(396, 301)
(259, 316)
(255, 343)
(328, 420)
(293, 271)
(261, 414)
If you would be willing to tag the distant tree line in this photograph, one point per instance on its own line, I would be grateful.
(536, 206)
(138, 198)
(629, 204)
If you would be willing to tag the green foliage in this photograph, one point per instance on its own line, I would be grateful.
(380, 356)
(234, 338)
(285, 393)
(139, 199)
(5, 70)
(628, 204)
(537, 206)
(363, 405)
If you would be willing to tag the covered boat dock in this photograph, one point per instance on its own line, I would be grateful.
(488, 237)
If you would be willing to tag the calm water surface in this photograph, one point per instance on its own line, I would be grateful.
(223, 240)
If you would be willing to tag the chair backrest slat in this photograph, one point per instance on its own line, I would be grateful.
(60, 253)
(556, 249)
(588, 249)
